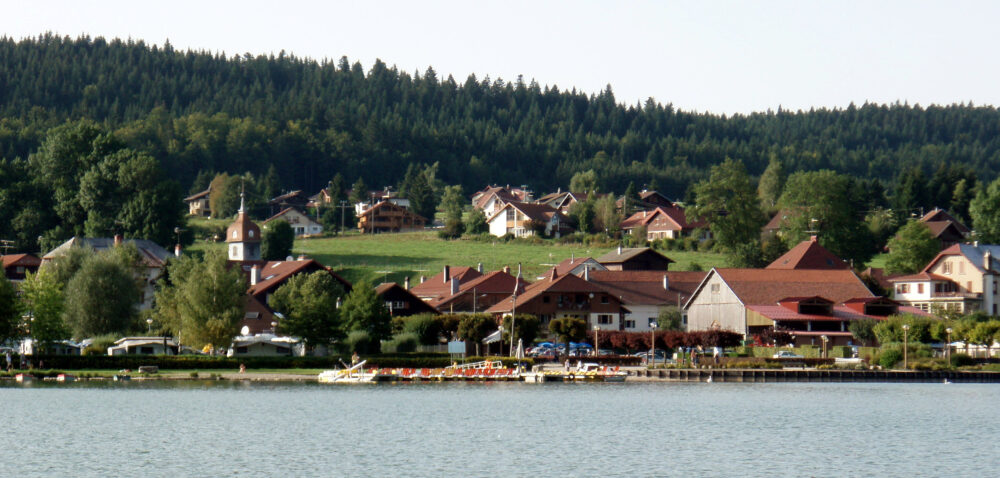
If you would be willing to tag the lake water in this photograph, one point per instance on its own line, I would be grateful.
(499, 429)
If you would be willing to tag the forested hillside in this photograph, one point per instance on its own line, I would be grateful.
(198, 112)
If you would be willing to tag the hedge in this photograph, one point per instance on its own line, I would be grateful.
(188, 362)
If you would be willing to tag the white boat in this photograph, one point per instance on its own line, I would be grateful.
(355, 374)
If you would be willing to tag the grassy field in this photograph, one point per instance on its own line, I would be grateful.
(391, 257)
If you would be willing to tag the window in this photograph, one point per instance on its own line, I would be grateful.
(920, 288)
(961, 268)
(241, 350)
(604, 299)
(234, 234)
(250, 232)
(946, 267)
(511, 214)
(20, 269)
(968, 286)
(903, 288)
(146, 350)
(715, 288)
(234, 251)
(629, 324)
(604, 319)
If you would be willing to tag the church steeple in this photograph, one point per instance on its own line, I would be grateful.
(243, 236)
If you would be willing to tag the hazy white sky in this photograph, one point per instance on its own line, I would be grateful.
(718, 56)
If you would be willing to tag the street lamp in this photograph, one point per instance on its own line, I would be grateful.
(947, 346)
(149, 326)
(652, 342)
(274, 328)
(906, 328)
(825, 340)
(597, 328)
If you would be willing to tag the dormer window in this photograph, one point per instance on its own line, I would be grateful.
(250, 233)
(234, 234)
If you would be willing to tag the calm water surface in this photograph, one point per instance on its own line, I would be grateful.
(505, 429)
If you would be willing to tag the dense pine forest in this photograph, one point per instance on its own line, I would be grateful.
(195, 112)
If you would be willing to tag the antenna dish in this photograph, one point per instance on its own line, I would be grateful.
(245, 330)
(289, 258)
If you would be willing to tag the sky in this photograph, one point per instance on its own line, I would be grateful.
(707, 56)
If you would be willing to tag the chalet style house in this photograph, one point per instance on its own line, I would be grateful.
(386, 216)
(17, 266)
(565, 296)
(646, 293)
(480, 293)
(661, 223)
(962, 278)
(198, 204)
(301, 223)
(522, 220)
(400, 302)
(445, 283)
(575, 265)
(296, 199)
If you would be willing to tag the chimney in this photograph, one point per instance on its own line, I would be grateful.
(479, 267)
(619, 249)
(506, 269)
(572, 257)
(254, 274)
(422, 279)
(454, 285)
(987, 261)
(553, 276)
(812, 238)
(118, 240)
(644, 214)
(302, 257)
(406, 282)
(586, 273)
(447, 274)
(177, 250)
(666, 282)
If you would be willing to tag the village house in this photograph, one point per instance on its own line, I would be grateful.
(661, 223)
(563, 200)
(525, 220)
(492, 198)
(265, 345)
(811, 319)
(723, 300)
(445, 283)
(198, 204)
(480, 293)
(635, 259)
(401, 302)
(153, 259)
(962, 278)
(386, 216)
(301, 223)
(809, 254)
(295, 199)
(646, 293)
(556, 297)
(17, 266)
(945, 228)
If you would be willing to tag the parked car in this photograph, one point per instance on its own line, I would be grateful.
(785, 354)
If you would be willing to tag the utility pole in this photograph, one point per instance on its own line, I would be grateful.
(6, 244)
(343, 206)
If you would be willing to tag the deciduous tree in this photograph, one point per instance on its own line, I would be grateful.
(912, 248)
(728, 202)
(308, 303)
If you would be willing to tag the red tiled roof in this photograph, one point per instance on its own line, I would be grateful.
(436, 286)
(198, 195)
(496, 282)
(567, 265)
(646, 287)
(778, 312)
(779, 219)
(939, 227)
(808, 255)
(628, 253)
(23, 260)
(768, 286)
(275, 273)
(553, 283)
(500, 192)
(286, 211)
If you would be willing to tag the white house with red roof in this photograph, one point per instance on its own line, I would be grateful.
(962, 278)
(646, 293)
(809, 319)
(301, 223)
(809, 254)
(661, 223)
(519, 219)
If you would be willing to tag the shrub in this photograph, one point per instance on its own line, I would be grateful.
(359, 341)
(890, 357)
(402, 343)
(961, 360)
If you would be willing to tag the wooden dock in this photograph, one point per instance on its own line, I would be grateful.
(811, 375)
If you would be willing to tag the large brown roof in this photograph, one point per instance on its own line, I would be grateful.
(768, 286)
(809, 255)
(646, 287)
(23, 260)
(940, 215)
(437, 286)
(552, 283)
(275, 273)
(496, 282)
(627, 253)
